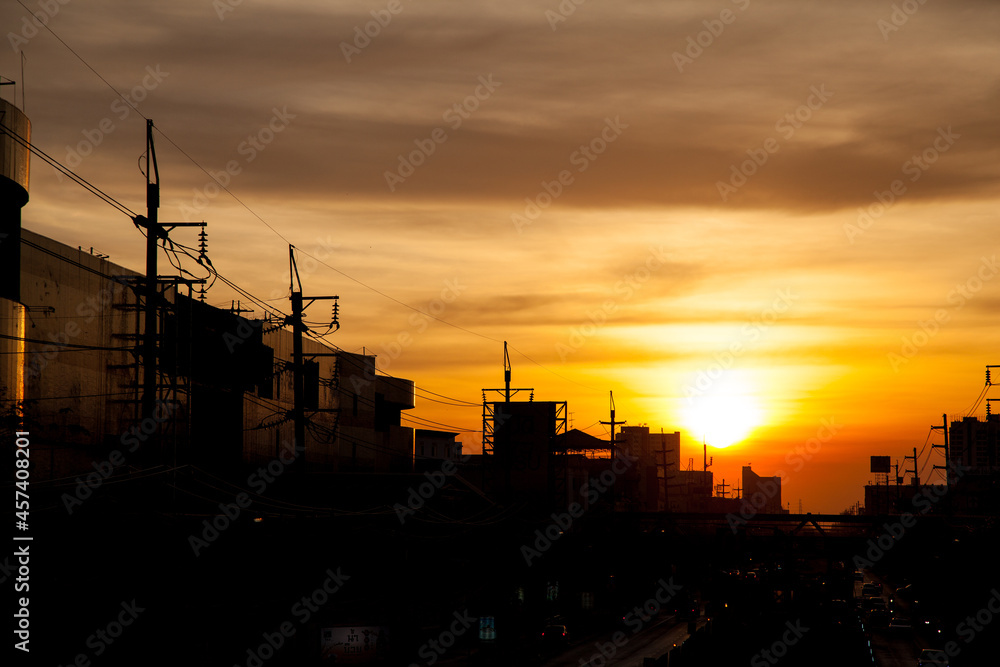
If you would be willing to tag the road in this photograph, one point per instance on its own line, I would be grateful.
(892, 649)
(650, 642)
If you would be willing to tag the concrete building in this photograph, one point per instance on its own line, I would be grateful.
(975, 444)
(764, 493)
(659, 460)
(71, 326)
(691, 491)
(436, 445)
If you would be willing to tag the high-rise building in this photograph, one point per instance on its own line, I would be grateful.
(659, 459)
(975, 444)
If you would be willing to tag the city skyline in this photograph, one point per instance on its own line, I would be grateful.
(779, 217)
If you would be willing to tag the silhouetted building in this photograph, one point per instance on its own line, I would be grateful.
(522, 436)
(764, 493)
(975, 444)
(72, 370)
(659, 459)
(14, 164)
(437, 445)
(691, 491)
(896, 499)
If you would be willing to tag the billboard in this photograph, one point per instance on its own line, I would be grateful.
(354, 645)
(487, 629)
(880, 464)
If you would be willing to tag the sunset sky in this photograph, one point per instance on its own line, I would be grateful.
(659, 199)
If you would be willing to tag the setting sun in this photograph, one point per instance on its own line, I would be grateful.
(724, 415)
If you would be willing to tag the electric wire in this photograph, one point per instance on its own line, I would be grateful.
(87, 185)
(926, 440)
(279, 234)
(175, 261)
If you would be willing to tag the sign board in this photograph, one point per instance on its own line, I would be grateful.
(880, 464)
(487, 629)
(353, 645)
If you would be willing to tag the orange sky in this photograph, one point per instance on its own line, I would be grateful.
(624, 195)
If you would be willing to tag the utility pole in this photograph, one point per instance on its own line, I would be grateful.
(723, 487)
(154, 232)
(298, 371)
(613, 423)
(506, 374)
(490, 420)
(666, 478)
(947, 460)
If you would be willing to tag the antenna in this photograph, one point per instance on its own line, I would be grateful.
(506, 391)
(506, 373)
(612, 423)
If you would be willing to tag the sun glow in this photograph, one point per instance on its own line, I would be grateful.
(724, 415)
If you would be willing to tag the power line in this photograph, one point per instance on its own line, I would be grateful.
(418, 420)
(275, 231)
(80, 58)
(926, 440)
(87, 185)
